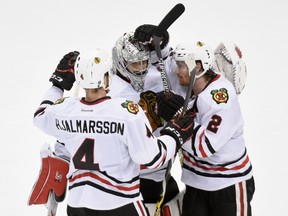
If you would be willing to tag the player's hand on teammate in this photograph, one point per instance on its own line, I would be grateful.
(180, 128)
(168, 103)
(144, 33)
(63, 76)
(148, 104)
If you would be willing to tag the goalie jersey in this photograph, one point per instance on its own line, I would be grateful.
(216, 157)
(107, 140)
(122, 88)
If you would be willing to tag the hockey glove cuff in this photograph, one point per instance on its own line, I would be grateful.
(168, 104)
(180, 128)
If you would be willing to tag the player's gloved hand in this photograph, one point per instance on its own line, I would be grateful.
(168, 104)
(148, 104)
(144, 33)
(180, 128)
(64, 77)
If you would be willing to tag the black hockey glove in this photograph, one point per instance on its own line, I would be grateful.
(144, 33)
(180, 128)
(168, 104)
(148, 103)
(64, 77)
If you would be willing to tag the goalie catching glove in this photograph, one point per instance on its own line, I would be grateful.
(144, 33)
(168, 104)
(148, 104)
(64, 77)
(228, 60)
(180, 128)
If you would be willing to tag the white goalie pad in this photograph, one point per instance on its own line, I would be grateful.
(52, 177)
(172, 208)
(151, 208)
(228, 60)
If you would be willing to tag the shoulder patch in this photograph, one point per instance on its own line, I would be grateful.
(59, 101)
(131, 106)
(220, 96)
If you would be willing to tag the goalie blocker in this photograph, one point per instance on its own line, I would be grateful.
(52, 178)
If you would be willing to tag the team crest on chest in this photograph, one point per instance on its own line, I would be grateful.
(220, 96)
(130, 106)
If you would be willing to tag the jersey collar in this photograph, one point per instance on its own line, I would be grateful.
(100, 100)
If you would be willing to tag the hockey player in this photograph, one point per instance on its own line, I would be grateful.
(153, 81)
(216, 168)
(106, 139)
(137, 78)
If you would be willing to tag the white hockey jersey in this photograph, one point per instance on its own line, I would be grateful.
(121, 88)
(153, 79)
(107, 140)
(216, 157)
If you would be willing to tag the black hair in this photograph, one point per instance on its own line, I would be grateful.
(210, 74)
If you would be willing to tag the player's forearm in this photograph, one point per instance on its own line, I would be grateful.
(53, 94)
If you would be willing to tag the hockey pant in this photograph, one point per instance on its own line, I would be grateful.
(136, 208)
(233, 200)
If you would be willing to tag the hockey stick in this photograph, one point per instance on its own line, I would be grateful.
(189, 92)
(166, 22)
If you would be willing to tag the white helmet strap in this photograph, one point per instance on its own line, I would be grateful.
(201, 74)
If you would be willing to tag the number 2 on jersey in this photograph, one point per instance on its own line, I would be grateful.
(84, 157)
(214, 123)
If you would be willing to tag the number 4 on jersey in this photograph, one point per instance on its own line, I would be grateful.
(84, 157)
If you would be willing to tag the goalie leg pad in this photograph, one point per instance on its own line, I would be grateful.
(52, 176)
(171, 208)
(151, 208)
(174, 206)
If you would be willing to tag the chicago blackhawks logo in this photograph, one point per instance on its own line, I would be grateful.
(130, 106)
(220, 96)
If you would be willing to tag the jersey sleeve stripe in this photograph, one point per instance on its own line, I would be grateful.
(160, 158)
(193, 140)
(39, 111)
(46, 102)
(201, 143)
(201, 149)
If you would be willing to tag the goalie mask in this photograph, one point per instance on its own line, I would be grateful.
(190, 54)
(131, 59)
(228, 60)
(93, 69)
